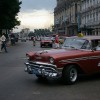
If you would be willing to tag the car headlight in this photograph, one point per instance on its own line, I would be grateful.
(51, 60)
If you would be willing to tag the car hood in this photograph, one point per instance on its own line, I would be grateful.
(57, 53)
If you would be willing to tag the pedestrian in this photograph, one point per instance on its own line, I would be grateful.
(3, 42)
(56, 41)
(12, 38)
(80, 34)
(34, 40)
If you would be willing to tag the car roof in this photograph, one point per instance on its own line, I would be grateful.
(92, 37)
(86, 37)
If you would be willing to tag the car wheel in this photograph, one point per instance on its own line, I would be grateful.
(70, 74)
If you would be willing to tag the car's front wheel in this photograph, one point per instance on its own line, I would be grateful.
(70, 74)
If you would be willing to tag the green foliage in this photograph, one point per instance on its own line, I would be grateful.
(42, 32)
(8, 13)
(31, 34)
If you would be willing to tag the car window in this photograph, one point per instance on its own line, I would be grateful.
(76, 43)
(46, 38)
(96, 44)
(86, 45)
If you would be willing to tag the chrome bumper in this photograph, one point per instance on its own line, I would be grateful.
(43, 69)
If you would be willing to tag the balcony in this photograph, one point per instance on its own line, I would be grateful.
(72, 25)
(90, 8)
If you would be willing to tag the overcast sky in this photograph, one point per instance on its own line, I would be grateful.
(35, 14)
(38, 4)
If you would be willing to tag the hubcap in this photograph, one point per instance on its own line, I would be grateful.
(73, 74)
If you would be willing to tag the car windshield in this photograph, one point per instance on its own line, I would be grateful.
(76, 43)
(46, 38)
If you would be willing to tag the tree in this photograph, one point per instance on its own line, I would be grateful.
(8, 13)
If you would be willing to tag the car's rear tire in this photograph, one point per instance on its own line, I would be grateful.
(70, 74)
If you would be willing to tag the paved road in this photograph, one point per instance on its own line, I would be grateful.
(15, 84)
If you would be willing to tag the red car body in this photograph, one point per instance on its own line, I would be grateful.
(66, 63)
(46, 42)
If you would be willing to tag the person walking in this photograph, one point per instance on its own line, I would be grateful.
(12, 38)
(57, 41)
(34, 40)
(3, 42)
(80, 34)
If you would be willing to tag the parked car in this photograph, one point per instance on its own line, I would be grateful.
(46, 42)
(23, 39)
(77, 56)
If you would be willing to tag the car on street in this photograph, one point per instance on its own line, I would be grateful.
(23, 39)
(78, 56)
(46, 42)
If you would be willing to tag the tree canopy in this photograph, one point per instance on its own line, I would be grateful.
(40, 32)
(9, 13)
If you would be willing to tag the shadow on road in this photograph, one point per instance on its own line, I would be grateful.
(58, 82)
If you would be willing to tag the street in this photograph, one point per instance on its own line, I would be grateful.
(15, 84)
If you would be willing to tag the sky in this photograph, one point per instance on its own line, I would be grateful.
(36, 14)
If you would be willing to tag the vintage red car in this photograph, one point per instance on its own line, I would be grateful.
(46, 42)
(77, 56)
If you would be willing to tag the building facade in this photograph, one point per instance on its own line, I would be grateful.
(90, 17)
(24, 32)
(74, 16)
(65, 17)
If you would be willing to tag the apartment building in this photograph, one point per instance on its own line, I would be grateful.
(66, 17)
(90, 17)
(24, 32)
(59, 17)
(73, 16)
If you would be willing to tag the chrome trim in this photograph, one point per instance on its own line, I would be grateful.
(80, 58)
(42, 63)
(43, 69)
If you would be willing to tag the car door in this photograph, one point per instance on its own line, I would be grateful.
(94, 56)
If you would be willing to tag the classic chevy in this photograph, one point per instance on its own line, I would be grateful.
(77, 56)
(45, 42)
